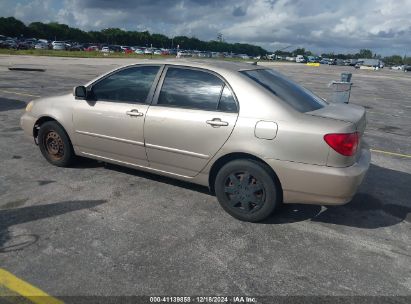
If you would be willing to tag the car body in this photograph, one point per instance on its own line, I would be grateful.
(183, 54)
(374, 63)
(157, 52)
(76, 47)
(313, 59)
(197, 120)
(148, 51)
(172, 52)
(57, 42)
(300, 59)
(243, 56)
(139, 51)
(92, 48)
(340, 62)
(41, 46)
(352, 62)
(22, 45)
(324, 60)
(397, 67)
(10, 44)
(407, 68)
(208, 55)
(106, 49)
(165, 52)
(59, 46)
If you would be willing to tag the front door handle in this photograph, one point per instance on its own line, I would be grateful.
(217, 122)
(134, 112)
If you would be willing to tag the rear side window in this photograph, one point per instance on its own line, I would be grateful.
(192, 89)
(227, 101)
(130, 85)
(287, 90)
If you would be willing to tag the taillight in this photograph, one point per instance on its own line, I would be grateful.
(344, 143)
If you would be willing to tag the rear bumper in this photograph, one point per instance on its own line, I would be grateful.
(312, 184)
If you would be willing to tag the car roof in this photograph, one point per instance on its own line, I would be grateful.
(214, 65)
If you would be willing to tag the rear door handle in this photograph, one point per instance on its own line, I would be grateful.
(134, 112)
(217, 122)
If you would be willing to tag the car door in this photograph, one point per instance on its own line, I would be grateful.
(110, 125)
(193, 114)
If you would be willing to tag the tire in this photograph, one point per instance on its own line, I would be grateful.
(55, 145)
(247, 190)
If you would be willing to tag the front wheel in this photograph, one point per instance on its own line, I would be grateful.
(55, 145)
(247, 190)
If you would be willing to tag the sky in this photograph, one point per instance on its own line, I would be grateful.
(321, 26)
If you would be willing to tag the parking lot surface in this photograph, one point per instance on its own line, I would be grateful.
(98, 229)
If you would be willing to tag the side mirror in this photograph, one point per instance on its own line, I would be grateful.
(80, 92)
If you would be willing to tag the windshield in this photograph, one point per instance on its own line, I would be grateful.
(287, 90)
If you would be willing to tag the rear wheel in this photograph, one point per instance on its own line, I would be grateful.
(246, 190)
(55, 145)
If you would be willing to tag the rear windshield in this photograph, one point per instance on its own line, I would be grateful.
(287, 90)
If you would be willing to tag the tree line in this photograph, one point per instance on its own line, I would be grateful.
(10, 26)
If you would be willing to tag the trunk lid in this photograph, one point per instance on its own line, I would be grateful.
(345, 112)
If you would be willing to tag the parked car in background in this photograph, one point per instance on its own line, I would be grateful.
(183, 120)
(300, 59)
(10, 44)
(115, 48)
(352, 62)
(75, 47)
(59, 46)
(340, 62)
(41, 46)
(57, 42)
(182, 54)
(165, 52)
(206, 55)
(313, 59)
(397, 67)
(324, 60)
(148, 51)
(407, 68)
(22, 45)
(127, 50)
(139, 51)
(375, 63)
(92, 48)
(106, 49)
(157, 52)
(358, 64)
(243, 56)
(172, 51)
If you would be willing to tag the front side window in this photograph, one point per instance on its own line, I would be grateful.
(192, 89)
(130, 85)
(292, 93)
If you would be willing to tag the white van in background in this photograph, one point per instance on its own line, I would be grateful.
(300, 59)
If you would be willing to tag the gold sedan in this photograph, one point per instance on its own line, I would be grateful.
(253, 136)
